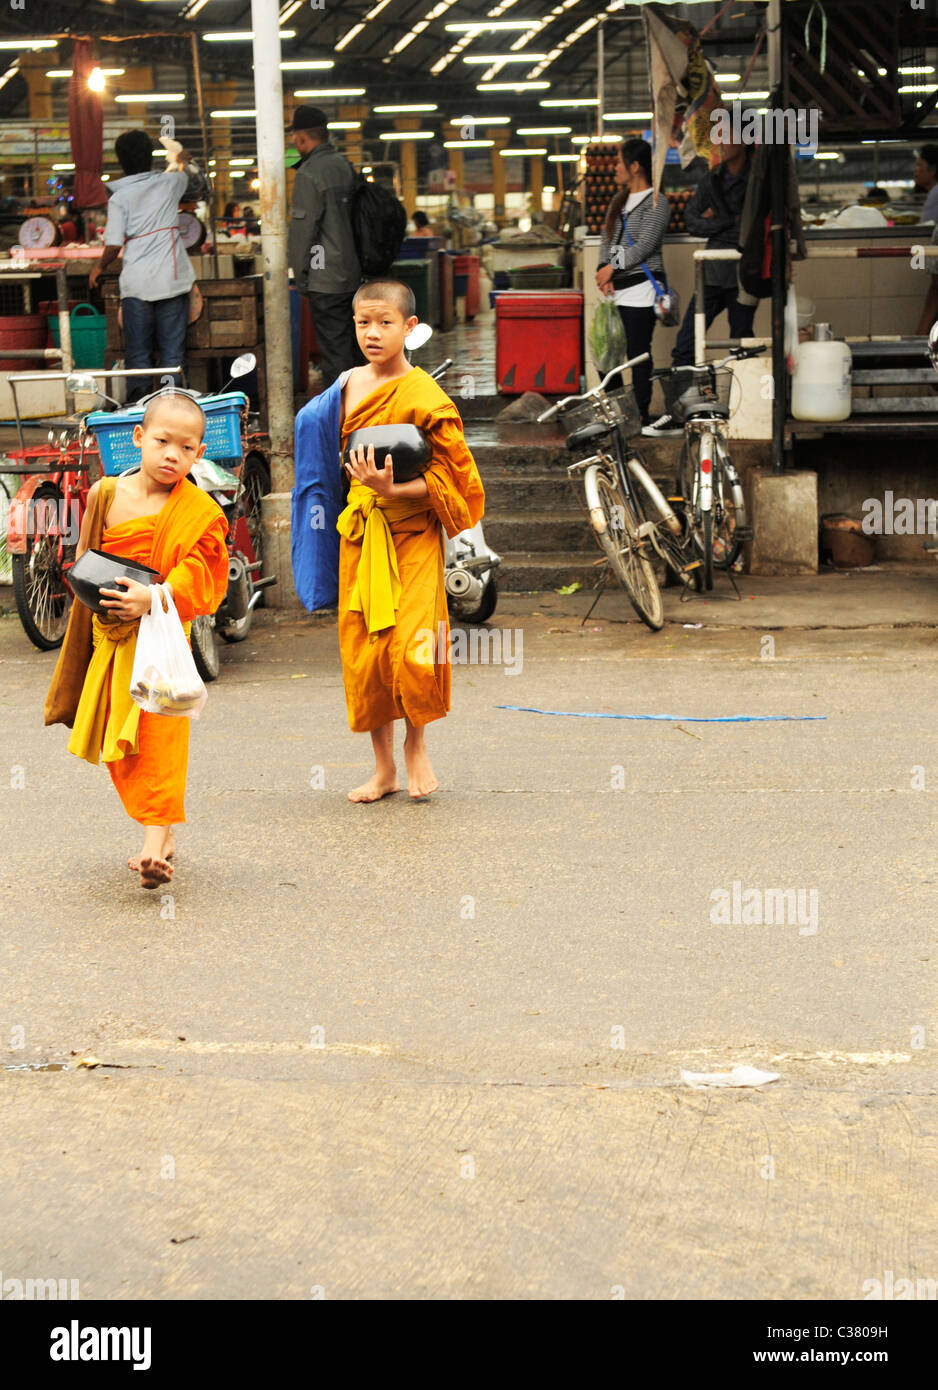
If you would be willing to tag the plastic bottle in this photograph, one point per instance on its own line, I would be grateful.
(821, 382)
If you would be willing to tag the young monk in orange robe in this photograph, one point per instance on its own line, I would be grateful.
(156, 518)
(393, 626)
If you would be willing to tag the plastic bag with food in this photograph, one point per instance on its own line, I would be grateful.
(164, 679)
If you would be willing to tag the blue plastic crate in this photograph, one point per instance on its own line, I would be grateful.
(114, 430)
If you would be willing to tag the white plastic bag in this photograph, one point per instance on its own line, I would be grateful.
(165, 680)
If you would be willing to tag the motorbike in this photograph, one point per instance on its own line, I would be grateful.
(469, 564)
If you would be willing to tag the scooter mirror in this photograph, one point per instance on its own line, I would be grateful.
(243, 364)
(421, 334)
(78, 382)
(933, 345)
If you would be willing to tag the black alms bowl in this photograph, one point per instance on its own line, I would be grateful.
(96, 570)
(407, 445)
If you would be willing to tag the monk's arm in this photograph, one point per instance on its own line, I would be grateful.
(84, 535)
(199, 582)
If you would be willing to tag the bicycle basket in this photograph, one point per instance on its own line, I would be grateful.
(715, 389)
(621, 403)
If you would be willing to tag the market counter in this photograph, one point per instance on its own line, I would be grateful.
(858, 298)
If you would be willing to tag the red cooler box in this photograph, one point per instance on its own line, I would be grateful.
(538, 341)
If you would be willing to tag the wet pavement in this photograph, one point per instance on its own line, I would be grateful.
(435, 1049)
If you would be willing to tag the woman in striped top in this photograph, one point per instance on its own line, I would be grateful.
(620, 273)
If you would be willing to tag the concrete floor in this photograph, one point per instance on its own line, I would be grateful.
(434, 1049)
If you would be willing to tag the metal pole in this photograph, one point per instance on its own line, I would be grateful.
(778, 159)
(65, 323)
(197, 74)
(600, 75)
(268, 101)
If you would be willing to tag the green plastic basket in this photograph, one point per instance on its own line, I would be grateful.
(89, 335)
(537, 277)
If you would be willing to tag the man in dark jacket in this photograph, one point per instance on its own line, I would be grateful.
(714, 212)
(321, 245)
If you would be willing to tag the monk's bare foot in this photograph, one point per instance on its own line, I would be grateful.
(169, 852)
(421, 780)
(133, 864)
(154, 871)
(381, 784)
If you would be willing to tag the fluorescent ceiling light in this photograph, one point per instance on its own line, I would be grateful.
(510, 86)
(324, 93)
(569, 101)
(227, 113)
(407, 135)
(17, 44)
(366, 168)
(548, 188)
(545, 130)
(594, 139)
(491, 25)
(563, 158)
(727, 76)
(627, 116)
(466, 144)
(62, 167)
(504, 58)
(241, 35)
(232, 162)
(510, 154)
(298, 64)
(67, 72)
(919, 87)
(828, 154)
(143, 98)
(390, 110)
(911, 72)
(481, 120)
(343, 125)
(750, 96)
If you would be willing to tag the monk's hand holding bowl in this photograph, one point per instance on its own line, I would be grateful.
(362, 467)
(130, 601)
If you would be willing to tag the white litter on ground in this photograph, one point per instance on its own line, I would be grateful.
(739, 1076)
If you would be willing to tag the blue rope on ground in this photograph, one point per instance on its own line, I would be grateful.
(675, 718)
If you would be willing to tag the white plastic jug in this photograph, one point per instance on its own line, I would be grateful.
(821, 382)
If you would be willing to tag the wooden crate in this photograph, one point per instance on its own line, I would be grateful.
(232, 314)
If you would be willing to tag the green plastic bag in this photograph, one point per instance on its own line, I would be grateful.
(607, 337)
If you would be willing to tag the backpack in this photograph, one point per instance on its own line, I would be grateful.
(379, 222)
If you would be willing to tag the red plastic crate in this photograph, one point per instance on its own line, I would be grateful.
(538, 341)
(470, 266)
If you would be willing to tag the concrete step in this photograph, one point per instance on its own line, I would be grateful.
(539, 532)
(511, 493)
(523, 571)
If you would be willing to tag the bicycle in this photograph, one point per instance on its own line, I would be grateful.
(630, 517)
(707, 476)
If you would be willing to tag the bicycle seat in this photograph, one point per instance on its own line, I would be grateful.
(587, 432)
(702, 405)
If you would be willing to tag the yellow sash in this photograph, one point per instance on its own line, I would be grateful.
(94, 735)
(376, 593)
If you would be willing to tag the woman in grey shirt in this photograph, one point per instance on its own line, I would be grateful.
(620, 273)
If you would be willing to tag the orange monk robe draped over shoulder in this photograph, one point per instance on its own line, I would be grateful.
(148, 756)
(400, 671)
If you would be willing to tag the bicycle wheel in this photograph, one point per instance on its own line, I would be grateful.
(43, 600)
(668, 531)
(708, 549)
(727, 545)
(617, 532)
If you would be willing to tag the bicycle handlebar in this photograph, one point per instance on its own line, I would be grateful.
(597, 390)
(737, 355)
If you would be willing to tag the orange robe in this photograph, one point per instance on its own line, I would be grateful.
(398, 672)
(185, 542)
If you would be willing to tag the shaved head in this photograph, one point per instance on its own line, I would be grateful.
(170, 398)
(389, 292)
